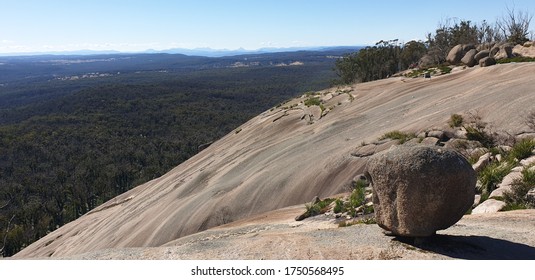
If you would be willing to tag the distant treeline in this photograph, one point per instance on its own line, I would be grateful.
(391, 56)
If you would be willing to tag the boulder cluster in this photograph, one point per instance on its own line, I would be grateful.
(426, 184)
(486, 54)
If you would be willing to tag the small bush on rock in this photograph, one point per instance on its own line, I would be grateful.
(522, 149)
(313, 209)
(402, 137)
(516, 198)
(492, 175)
(456, 121)
(338, 206)
(312, 101)
(515, 59)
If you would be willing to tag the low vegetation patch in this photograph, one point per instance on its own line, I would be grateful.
(522, 149)
(444, 69)
(402, 137)
(492, 175)
(318, 208)
(515, 59)
(516, 198)
(313, 101)
(312, 93)
(479, 134)
(352, 206)
(365, 221)
(356, 204)
(456, 121)
(439, 70)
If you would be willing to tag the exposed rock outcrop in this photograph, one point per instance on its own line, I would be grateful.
(455, 55)
(469, 58)
(418, 190)
(488, 54)
(489, 206)
(482, 54)
(426, 61)
(504, 51)
(483, 161)
(487, 61)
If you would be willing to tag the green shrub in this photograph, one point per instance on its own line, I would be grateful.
(368, 221)
(365, 221)
(479, 134)
(311, 93)
(338, 206)
(346, 224)
(522, 149)
(312, 209)
(515, 59)
(318, 208)
(368, 209)
(360, 184)
(456, 121)
(416, 73)
(492, 175)
(514, 206)
(444, 69)
(313, 101)
(402, 137)
(357, 198)
(528, 177)
(516, 198)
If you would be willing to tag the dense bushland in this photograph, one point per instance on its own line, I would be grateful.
(68, 146)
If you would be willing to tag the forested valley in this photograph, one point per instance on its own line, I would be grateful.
(72, 137)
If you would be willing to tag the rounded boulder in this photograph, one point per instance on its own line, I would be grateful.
(418, 190)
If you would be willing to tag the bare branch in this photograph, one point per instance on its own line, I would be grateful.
(7, 203)
(5, 234)
(514, 25)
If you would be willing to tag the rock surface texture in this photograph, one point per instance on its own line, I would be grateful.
(418, 190)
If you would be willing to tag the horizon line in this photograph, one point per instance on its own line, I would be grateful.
(207, 50)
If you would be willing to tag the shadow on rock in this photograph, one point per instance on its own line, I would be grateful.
(472, 247)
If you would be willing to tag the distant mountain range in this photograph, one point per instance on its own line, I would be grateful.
(225, 52)
(208, 52)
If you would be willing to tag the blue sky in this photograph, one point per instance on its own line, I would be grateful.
(137, 25)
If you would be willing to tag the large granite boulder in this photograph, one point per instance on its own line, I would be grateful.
(426, 61)
(482, 54)
(469, 58)
(505, 51)
(455, 55)
(487, 61)
(418, 190)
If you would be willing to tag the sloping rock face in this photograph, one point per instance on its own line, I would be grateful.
(418, 190)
